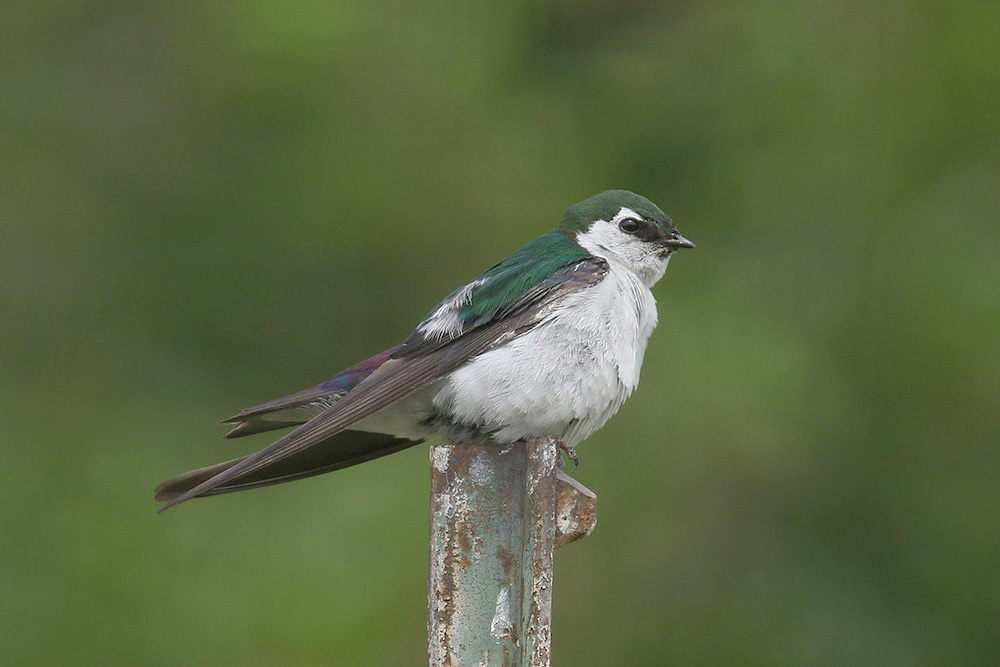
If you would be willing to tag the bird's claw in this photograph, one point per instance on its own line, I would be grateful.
(570, 454)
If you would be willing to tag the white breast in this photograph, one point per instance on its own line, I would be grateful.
(565, 377)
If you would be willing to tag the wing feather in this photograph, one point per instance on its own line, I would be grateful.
(419, 361)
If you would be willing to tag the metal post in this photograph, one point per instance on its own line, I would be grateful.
(497, 513)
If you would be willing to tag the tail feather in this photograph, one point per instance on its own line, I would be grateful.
(343, 450)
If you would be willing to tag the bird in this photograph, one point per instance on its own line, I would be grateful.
(547, 342)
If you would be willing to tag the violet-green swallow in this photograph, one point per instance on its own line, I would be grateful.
(547, 342)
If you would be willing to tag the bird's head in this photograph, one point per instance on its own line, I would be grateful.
(625, 229)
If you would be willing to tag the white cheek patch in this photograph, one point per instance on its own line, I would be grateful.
(604, 239)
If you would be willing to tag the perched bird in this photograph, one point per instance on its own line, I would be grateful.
(547, 342)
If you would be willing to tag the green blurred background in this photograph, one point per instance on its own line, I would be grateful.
(207, 205)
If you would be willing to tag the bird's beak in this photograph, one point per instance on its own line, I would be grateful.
(677, 241)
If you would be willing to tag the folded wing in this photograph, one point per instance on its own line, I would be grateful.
(506, 301)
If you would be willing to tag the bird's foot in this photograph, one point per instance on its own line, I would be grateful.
(570, 454)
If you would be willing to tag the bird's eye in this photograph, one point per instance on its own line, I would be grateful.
(629, 225)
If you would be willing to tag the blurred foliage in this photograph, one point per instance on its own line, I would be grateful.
(206, 205)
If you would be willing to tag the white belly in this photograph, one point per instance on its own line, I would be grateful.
(565, 377)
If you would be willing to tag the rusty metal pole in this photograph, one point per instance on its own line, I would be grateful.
(497, 513)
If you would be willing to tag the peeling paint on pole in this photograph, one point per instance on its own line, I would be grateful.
(494, 517)
(492, 536)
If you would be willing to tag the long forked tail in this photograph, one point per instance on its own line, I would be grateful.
(343, 450)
